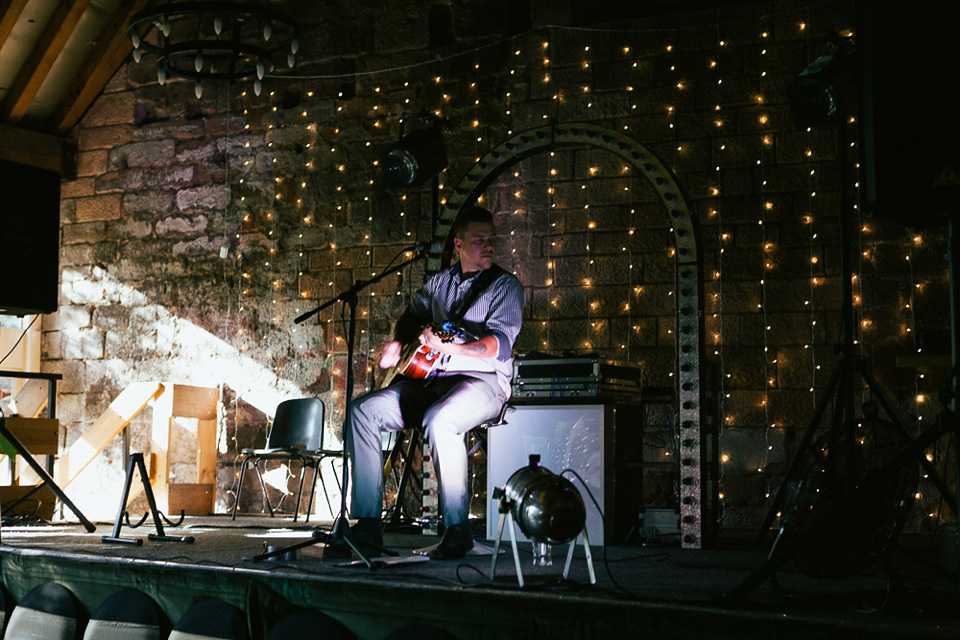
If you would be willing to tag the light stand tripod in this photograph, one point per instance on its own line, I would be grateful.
(340, 531)
(840, 435)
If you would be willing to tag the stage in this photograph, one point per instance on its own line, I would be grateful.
(645, 591)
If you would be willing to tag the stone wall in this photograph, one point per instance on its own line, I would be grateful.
(198, 229)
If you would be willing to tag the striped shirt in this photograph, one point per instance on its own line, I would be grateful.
(497, 311)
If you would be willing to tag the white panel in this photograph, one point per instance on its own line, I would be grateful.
(565, 437)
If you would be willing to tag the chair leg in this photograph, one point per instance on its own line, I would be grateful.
(313, 489)
(323, 484)
(236, 493)
(303, 472)
(263, 487)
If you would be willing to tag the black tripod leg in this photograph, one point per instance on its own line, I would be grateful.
(932, 472)
(821, 408)
(44, 476)
(115, 536)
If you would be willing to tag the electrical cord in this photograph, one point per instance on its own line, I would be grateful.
(603, 527)
(15, 344)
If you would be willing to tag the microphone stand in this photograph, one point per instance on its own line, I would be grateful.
(340, 531)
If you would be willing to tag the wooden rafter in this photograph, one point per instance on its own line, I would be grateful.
(58, 30)
(10, 10)
(111, 52)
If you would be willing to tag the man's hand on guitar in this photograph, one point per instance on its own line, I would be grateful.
(390, 355)
(430, 339)
(483, 348)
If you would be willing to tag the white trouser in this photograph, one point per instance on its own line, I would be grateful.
(446, 407)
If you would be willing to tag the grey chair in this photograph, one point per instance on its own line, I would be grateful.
(211, 619)
(296, 435)
(128, 614)
(48, 611)
(308, 625)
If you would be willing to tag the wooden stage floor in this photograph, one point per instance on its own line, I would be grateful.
(647, 591)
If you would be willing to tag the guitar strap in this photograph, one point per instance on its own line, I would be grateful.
(481, 282)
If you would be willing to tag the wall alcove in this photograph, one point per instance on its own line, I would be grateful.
(687, 286)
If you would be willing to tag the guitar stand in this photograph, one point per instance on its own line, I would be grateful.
(136, 462)
(507, 513)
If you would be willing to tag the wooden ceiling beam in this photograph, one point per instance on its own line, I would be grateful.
(35, 70)
(10, 10)
(110, 54)
(41, 150)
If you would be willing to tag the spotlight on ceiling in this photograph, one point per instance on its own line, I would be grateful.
(415, 157)
(820, 94)
(214, 40)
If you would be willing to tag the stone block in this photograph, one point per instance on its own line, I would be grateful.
(89, 232)
(151, 202)
(70, 407)
(76, 255)
(103, 207)
(203, 245)
(91, 163)
(176, 226)
(141, 154)
(110, 109)
(77, 188)
(50, 345)
(212, 197)
(73, 372)
(68, 211)
(133, 228)
(106, 137)
(83, 344)
(106, 376)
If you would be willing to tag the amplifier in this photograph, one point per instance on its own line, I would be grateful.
(587, 377)
(573, 390)
(588, 369)
(602, 442)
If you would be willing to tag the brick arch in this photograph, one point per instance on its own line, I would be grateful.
(689, 306)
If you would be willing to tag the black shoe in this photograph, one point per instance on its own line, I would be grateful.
(367, 535)
(457, 540)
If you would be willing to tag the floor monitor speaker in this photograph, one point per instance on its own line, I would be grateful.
(30, 239)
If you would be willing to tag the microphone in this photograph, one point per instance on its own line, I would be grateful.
(434, 246)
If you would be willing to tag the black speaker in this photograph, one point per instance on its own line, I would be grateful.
(908, 58)
(29, 239)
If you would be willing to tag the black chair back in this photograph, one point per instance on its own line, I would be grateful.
(298, 422)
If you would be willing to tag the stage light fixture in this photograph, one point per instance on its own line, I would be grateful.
(415, 158)
(548, 509)
(818, 96)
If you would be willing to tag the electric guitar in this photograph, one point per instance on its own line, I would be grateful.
(418, 360)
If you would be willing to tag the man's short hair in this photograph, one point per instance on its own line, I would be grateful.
(470, 214)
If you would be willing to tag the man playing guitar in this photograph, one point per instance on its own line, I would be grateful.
(468, 383)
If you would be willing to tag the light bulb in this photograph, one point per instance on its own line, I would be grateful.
(198, 63)
(135, 40)
(217, 24)
(165, 27)
(267, 31)
(198, 89)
